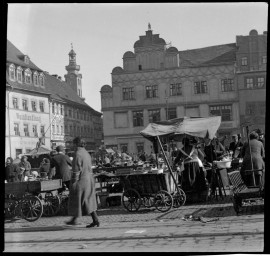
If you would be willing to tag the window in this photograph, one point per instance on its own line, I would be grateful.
(19, 74)
(61, 109)
(12, 72)
(24, 104)
(62, 129)
(154, 115)
(53, 129)
(69, 113)
(53, 109)
(79, 92)
(16, 129)
(15, 103)
(27, 75)
(18, 152)
(79, 81)
(82, 131)
(57, 108)
(41, 106)
(34, 106)
(57, 129)
(226, 85)
(84, 116)
(171, 113)
(75, 130)
(264, 59)
(244, 61)
(251, 108)
(249, 83)
(140, 147)
(175, 89)
(26, 59)
(137, 118)
(200, 87)
(128, 94)
(78, 130)
(25, 129)
(124, 148)
(151, 91)
(35, 78)
(140, 67)
(70, 130)
(261, 108)
(225, 111)
(41, 80)
(35, 131)
(42, 130)
(260, 82)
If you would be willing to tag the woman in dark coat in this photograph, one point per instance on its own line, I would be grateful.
(82, 194)
(252, 151)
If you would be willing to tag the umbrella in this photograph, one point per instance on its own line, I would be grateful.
(41, 150)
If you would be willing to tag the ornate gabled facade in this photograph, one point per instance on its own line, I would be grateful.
(42, 107)
(158, 82)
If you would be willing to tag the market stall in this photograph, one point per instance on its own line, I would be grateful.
(199, 127)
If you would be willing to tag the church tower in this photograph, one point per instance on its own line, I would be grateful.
(73, 78)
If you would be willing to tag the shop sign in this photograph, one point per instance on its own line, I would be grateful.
(28, 117)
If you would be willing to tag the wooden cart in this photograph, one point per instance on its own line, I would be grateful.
(30, 200)
(157, 190)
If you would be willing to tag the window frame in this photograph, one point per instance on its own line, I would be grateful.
(35, 78)
(170, 111)
(19, 72)
(128, 93)
(152, 113)
(221, 113)
(200, 87)
(26, 130)
(28, 74)
(25, 106)
(151, 91)
(15, 106)
(227, 84)
(41, 106)
(12, 72)
(249, 83)
(137, 116)
(41, 79)
(34, 128)
(259, 82)
(244, 61)
(16, 128)
(176, 89)
(35, 105)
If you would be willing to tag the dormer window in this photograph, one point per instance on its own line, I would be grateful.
(41, 79)
(26, 59)
(19, 74)
(35, 78)
(27, 75)
(12, 72)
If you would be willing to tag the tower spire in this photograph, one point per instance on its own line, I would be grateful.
(149, 26)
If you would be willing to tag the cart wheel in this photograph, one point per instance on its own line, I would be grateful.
(163, 201)
(51, 204)
(31, 208)
(131, 200)
(11, 208)
(179, 198)
(148, 201)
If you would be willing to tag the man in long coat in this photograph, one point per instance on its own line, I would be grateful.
(82, 195)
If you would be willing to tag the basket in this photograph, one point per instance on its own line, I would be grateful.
(223, 164)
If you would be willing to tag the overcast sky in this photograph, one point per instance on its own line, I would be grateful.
(102, 33)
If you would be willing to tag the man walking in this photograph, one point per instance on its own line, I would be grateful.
(62, 164)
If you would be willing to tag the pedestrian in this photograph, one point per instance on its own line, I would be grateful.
(82, 195)
(236, 146)
(62, 164)
(252, 151)
(11, 171)
(25, 167)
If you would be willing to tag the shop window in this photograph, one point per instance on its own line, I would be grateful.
(200, 87)
(225, 111)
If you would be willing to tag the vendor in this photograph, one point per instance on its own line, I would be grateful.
(191, 156)
(236, 146)
(213, 150)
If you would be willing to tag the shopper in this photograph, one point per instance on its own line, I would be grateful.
(62, 164)
(236, 146)
(25, 167)
(82, 195)
(44, 169)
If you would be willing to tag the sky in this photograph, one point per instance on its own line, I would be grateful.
(102, 33)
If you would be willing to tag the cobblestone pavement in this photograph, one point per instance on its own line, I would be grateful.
(146, 230)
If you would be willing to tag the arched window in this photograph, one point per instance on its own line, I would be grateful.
(35, 78)
(12, 72)
(41, 79)
(27, 76)
(19, 74)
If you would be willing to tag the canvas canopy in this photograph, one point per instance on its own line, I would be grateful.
(41, 150)
(202, 127)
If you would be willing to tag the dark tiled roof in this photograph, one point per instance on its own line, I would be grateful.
(58, 90)
(211, 55)
(15, 56)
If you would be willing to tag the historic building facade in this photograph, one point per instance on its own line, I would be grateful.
(42, 107)
(158, 82)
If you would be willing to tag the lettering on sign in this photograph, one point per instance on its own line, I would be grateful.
(28, 117)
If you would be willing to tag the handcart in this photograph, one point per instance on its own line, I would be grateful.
(30, 200)
(157, 190)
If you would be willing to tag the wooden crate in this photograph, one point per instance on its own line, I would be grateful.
(44, 185)
(16, 188)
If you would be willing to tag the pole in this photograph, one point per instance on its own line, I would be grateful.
(167, 162)
(253, 175)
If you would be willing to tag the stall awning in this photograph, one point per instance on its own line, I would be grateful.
(41, 150)
(201, 127)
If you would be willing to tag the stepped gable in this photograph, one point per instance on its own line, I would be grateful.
(208, 55)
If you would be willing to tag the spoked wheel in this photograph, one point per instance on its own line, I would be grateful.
(179, 198)
(11, 208)
(163, 201)
(148, 201)
(51, 204)
(131, 200)
(31, 208)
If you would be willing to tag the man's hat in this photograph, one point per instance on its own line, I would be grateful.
(60, 148)
(259, 131)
